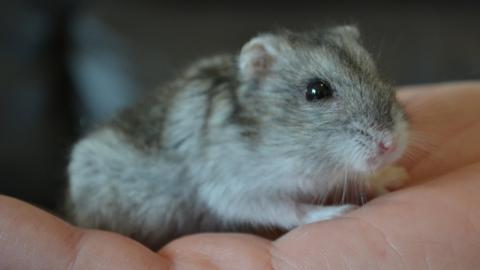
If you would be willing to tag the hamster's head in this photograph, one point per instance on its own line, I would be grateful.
(320, 96)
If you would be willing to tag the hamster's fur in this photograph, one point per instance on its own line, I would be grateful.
(233, 141)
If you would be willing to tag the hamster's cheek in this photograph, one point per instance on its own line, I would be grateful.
(348, 153)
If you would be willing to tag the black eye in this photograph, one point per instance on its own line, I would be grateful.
(318, 89)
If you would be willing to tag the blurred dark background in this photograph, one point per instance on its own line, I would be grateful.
(65, 65)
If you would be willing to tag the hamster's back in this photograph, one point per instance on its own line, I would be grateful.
(133, 175)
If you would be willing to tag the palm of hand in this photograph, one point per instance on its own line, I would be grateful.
(429, 225)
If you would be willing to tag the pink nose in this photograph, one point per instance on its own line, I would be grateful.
(386, 146)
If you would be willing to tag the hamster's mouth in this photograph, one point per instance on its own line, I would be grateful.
(376, 158)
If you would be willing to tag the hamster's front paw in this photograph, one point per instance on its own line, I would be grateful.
(320, 213)
(388, 179)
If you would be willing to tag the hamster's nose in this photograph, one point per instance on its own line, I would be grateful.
(386, 146)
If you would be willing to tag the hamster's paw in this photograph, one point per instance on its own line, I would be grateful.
(319, 213)
(388, 179)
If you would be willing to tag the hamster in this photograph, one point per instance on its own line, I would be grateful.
(253, 139)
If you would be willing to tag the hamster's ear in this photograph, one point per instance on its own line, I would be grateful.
(258, 57)
(347, 31)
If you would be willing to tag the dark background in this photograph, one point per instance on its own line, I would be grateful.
(67, 64)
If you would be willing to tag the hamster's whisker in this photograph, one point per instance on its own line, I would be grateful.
(424, 142)
(357, 191)
(333, 186)
(421, 147)
(344, 188)
(409, 155)
(427, 138)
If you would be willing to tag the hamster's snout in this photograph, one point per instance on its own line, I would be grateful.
(387, 145)
(388, 149)
(374, 148)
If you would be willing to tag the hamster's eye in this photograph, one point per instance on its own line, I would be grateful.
(318, 89)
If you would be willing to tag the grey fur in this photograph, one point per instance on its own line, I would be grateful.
(234, 142)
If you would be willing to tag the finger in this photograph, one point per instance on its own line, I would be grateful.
(448, 117)
(33, 239)
(219, 251)
(430, 226)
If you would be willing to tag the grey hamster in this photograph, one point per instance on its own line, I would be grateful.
(250, 139)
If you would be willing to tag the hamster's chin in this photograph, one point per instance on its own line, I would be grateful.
(372, 164)
(365, 166)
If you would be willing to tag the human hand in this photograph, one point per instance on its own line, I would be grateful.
(432, 224)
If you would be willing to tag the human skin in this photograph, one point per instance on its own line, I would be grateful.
(433, 223)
